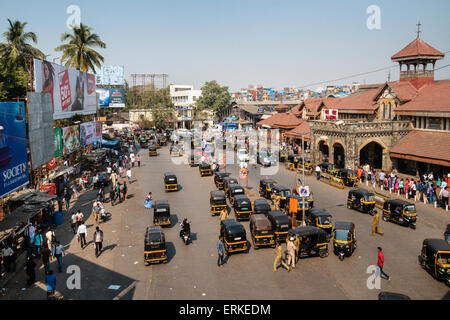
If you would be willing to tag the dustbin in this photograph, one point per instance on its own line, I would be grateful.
(58, 218)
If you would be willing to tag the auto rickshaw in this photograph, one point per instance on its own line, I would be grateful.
(262, 231)
(227, 182)
(321, 219)
(152, 152)
(435, 258)
(176, 152)
(283, 155)
(143, 142)
(265, 187)
(281, 224)
(447, 234)
(234, 236)
(300, 210)
(344, 239)
(348, 177)
(154, 246)
(163, 140)
(170, 182)
(219, 177)
(234, 190)
(281, 192)
(310, 199)
(261, 206)
(313, 241)
(205, 169)
(329, 168)
(294, 160)
(217, 201)
(361, 200)
(401, 212)
(242, 207)
(161, 213)
(307, 163)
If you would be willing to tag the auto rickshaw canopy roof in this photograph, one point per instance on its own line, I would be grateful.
(235, 188)
(232, 226)
(280, 188)
(343, 225)
(399, 202)
(217, 195)
(266, 181)
(310, 231)
(436, 245)
(261, 222)
(360, 192)
(222, 175)
(316, 213)
(242, 199)
(261, 204)
(154, 234)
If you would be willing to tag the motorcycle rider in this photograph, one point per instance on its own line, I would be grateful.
(185, 227)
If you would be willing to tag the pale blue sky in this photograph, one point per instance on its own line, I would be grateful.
(275, 43)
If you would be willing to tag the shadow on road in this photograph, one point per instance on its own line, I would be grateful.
(171, 251)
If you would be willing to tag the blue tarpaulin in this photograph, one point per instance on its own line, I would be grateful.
(110, 143)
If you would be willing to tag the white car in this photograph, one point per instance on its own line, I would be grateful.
(243, 155)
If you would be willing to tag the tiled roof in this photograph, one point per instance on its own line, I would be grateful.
(269, 121)
(281, 107)
(404, 89)
(417, 48)
(424, 144)
(296, 110)
(297, 132)
(431, 98)
(286, 120)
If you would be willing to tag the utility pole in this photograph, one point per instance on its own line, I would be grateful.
(303, 180)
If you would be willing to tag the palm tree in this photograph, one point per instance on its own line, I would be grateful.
(16, 46)
(78, 53)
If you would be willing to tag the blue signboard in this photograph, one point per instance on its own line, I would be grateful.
(104, 97)
(13, 147)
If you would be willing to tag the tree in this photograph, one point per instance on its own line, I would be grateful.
(214, 97)
(16, 47)
(78, 53)
(13, 82)
(161, 106)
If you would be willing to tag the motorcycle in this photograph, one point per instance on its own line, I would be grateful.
(185, 235)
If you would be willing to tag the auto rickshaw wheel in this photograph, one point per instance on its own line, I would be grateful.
(385, 218)
(323, 253)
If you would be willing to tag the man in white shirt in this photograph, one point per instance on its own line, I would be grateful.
(129, 175)
(8, 257)
(80, 217)
(109, 170)
(58, 252)
(82, 234)
(50, 235)
(73, 222)
(318, 172)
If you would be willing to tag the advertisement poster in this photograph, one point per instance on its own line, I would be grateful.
(71, 139)
(72, 91)
(88, 133)
(13, 147)
(104, 97)
(117, 98)
(110, 75)
(58, 143)
(98, 131)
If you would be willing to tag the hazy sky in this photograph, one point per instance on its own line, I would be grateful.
(240, 42)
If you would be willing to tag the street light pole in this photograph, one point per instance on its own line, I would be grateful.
(303, 181)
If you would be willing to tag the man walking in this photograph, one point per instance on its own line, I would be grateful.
(80, 217)
(82, 233)
(73, 222)
(381, 264)
(58, 253)
(279, 258)
(375, 225)
(318, 172)
(7, 253)
(98, 241)
(50, 279)
(291, 254)
(220, 252)
(129, 175)
(67, 197)
(138, 158)
(45, 256)
(30, 266)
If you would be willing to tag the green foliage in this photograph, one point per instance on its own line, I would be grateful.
(214, 97)
(13, 82)
(78, 53)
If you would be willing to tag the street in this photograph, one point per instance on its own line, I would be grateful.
(191, 271)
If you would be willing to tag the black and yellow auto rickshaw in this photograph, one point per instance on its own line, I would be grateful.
(361, 200)
(329, 168)
(152, 152)
(283, 155)
(348, 177)
(234, 236)
(205, 169)
(447, 234)
(217, 201)
(170, 182)
(161, 213)
(176, 152)
(344, 239)
(143, 142)
(262, 231)
(234, 190)
(261, 206)
(219, 179)
(435, 258)
(242, 207)
(155, 250)
(162, 140)
(310, 199)
(301, 211)
(313, 241)
(294, 159)
(401, 212)
(282, 192)
(307, 163)
(265, 187)
(227, 181)
(321, 219)
(281, 224)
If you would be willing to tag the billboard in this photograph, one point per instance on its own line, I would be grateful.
(40, 128)
(103, 97)
(58, 143)
(71, 139)
(72, 91)
(13, 147)
(89, 133)
(110, 75)
(117, 98)
(331, 114)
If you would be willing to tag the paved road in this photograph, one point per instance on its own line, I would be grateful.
(192, 273)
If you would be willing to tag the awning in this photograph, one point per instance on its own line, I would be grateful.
(60, 171)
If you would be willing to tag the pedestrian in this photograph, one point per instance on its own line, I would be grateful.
(148, 201)
(51, 238)
(75, 191)
(375, 225)
(431, 193)
(45, 257)
(112, 195)
(223, 214)
(139, 160)
(279, 258)
(38, 242)
(381, 264)
(95, 181)
(125, 190)
(401, 189)
(291, 253)
(98, 241)
(73, 222)
(129, 175)
(7, 254)
(445, 196)
(220, 252)
(318, 172)
(121, 171)
(97, 212)
(80, 217)
(58, 252)
(30, 266)
(82, 233)
(382, 176)
(297, 248)
(67, 197)
(113, 179)
(117, 190)
(50, 280)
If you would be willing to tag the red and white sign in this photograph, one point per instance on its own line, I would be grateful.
(331, 114)
(64, 89)
(90, 83)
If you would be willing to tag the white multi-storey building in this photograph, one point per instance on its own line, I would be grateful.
(184, 98)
